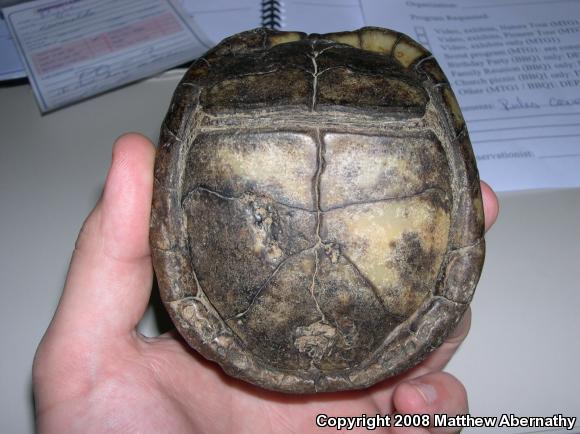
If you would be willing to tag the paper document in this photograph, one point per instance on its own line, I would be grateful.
(10, 65)
(218, 19)
(322, 16)
(221, 18)
(73, 49)
(515, 69)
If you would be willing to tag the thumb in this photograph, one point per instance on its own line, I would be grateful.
(110, 275)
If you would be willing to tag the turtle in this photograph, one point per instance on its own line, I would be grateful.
(317, 221)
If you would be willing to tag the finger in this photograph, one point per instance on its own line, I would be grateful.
(435, 393)
(490, 205)
(109, 279)
(439, 358)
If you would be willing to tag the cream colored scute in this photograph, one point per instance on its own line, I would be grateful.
(406, 53)
(282, 164)
(378, 40)
(348, 38)
(361, 168)
(284, 38)
(373, 237)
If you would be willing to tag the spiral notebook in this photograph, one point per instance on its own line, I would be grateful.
(221, 18)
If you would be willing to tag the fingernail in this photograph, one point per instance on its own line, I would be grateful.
(427, 391)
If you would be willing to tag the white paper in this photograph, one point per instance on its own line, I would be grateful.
(515, 69)
(10, 65)
(218, 19)
(221, 18)
(74, 49)
(322, 16)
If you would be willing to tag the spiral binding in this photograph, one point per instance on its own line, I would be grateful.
(272, 14)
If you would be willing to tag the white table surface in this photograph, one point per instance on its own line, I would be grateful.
(522, 355)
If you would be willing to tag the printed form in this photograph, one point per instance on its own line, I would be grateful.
(10, 64)
(73, 49)
(515, 68)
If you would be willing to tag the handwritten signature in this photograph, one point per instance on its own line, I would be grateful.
(522, 104)
(90, 75)
(517, 104)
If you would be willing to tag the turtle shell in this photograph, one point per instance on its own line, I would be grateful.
(317, 219)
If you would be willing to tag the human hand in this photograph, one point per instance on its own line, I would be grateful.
(94, 373)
